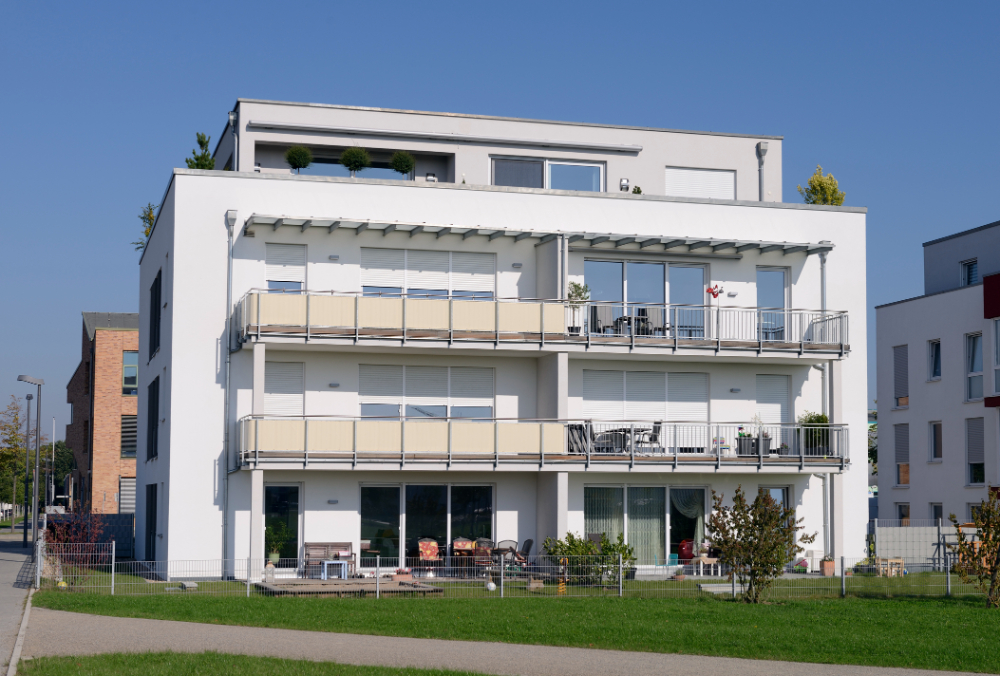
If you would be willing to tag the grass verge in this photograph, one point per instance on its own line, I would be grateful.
(951, 633)
(198, 664)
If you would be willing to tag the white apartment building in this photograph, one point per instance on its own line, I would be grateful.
(939, 381)
(386, 358)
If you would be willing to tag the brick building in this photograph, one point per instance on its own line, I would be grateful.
(102, 397)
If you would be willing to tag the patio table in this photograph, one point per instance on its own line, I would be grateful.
(342, 574)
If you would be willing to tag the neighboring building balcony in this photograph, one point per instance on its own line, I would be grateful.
(392, 443)
(355, 317)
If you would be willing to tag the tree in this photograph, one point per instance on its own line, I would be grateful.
(355, 159)
(756, 540)
(204, 159)
(822, 189)
(147, 216)
(873, 447)
(298, 158)
(979, 551)
(12, 453)
(402, 162)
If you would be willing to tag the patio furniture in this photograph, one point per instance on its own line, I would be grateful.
(482, 558)
(650, 437)
(889, 567)
(521, 555)
(342, 568)
(504, 551)
(595, 538)
(317, 552)
(577, 435)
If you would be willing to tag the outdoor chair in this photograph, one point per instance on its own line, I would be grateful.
(427, 548)
(521, 555)
(482, 558)
(651, 437)
(577, 439)
(504, 551)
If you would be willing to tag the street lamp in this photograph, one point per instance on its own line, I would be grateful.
(38, 423)
(27, 470)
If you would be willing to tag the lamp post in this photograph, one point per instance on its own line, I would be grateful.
(27, 471)
(38, 423)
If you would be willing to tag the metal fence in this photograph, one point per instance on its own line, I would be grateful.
(93, 569)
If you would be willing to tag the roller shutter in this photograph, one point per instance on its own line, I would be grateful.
(473, 272)
(381, 383)
(974, 440)
(286, 263)
(126, 495)
(284, 392)
(707, 183)
(603, 395)
(901, 434)
(772, 399)
(900, 371)
(645, 395)
(471, 386)
(687, 397)
(427, 270)
(427, 384)
(383, 267)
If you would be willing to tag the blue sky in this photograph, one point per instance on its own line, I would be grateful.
(100, 100)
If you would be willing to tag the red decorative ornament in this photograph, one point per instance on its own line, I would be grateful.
(714, 290)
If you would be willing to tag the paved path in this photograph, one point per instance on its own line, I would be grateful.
(16, 576)
(54, 632)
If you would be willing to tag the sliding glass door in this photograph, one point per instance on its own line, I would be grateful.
(687, 521)
(281, 523)
(426, 516)
(380, 521)
(687, 288)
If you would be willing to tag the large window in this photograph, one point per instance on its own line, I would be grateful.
(934, 359)
(974, 366)
(285, 266)
(975, 450)
(937, 441)
(551, 174)
(901, 376)
(603, 511)
(152, 418)
(388, 273)
(387, 391)
(154, 314)
(380, 521)
(902, 448)
(281, 516)
(772, 296)
(130, 372)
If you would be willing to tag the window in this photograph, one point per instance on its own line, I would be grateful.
(126, 492)
(152, 418)
(284, 389)
(705, 183)
(551, 174)
(151, 522)
(779, 494)
(936, 439)
(974, 366)
(285, 267)
(154, 316)
(903, 512)
(281, 508)
(603, 511)
(427, 274)
(901, 375)
(974, 510)
(970, 272)
(934, 359)
(428, 508)
(128, 440)
(425, 391)
(902, 448)
(974, 450)
(380, 525)
(937, 512)
(130, 373)
(772, 295)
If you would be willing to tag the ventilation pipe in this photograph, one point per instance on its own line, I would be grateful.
(231, 217)
(761, 151)
(233, 120)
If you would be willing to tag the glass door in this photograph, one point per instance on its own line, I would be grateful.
(647, 523)
(771, 303)
(281, 524)
(426, 517)
(645, 285)
(380, 521)
(687, 522)
(687, 300)
(606, 282)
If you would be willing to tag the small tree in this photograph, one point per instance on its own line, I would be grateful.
(873, 447)
(756, 540)
(979, 551)
(822, 189)
(402, 162)
(276, 534)
(636, 190)
(147, 216)
(298, 158)
(355, 159)
(203, 159)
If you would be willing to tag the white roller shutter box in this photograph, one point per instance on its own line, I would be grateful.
(378, 382)
(427, 384)
(473, 271)
(427, 269)
(471, 386)
(772, 399)
(706, 183)
(603, 395)
(383, 267)
(285, 263)
(126, 495)
(284, 391)
(687, 397)
(645, 395)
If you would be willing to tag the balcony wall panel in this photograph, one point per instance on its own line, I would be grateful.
(283, 309)
(331, 435)
(332, 311)
(379, 436)
(426, 436)
(520, 317)
(470, 315)
(472, 437)
(380, 313)
(427, 314)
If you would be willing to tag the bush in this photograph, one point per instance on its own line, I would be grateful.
(355, 159)
(298, 157)
(402, 162)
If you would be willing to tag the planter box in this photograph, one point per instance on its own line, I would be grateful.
(746, 446)
(402, 577)
(827, 568)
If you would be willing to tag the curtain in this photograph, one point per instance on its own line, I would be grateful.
(603, 511)
(690, 502)
(647, 523)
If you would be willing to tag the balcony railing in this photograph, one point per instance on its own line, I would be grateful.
(323, 315)
(325, 439)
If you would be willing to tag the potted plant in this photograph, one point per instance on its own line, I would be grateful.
(745, 443)
(579, 294)
(275, 536)
(355, 159)
(403, 163)
(827, 567)
(298, 158)
(816, 436)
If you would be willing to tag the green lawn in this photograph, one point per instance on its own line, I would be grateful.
(938, 633)
(205, 664)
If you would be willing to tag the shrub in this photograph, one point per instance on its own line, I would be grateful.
(298, 157)
(402, 162)
(355, 159)
(979, 551)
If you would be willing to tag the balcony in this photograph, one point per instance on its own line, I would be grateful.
(353, 317)
(656, 446)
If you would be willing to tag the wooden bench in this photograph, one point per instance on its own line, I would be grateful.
(317, 552)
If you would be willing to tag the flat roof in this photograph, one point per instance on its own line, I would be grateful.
(963, 233)
(507, 119)
(116, 321)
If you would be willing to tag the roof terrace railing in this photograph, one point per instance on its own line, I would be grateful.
(317, 315)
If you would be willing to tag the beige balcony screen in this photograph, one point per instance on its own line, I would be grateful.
(471, 437)
(431, 315)
(281, 309)
(334, 311)
(380, 313)
(469, 315)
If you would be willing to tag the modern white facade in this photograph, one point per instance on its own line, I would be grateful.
(939, 384)
(404, 362)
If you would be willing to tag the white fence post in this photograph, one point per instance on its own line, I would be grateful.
(947, 568)
(843, 576)
(621, 577)
(378, 575)
(38, 563)
(248, 577)
(112, 567)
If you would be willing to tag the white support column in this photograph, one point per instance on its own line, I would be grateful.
(256, 514)
(553, 386)
(551, 506)
(859, 454)
(258, 378)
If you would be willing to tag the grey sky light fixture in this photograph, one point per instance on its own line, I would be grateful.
(623, 185)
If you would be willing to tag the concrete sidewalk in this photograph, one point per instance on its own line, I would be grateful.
(16, 577)
(54, 632)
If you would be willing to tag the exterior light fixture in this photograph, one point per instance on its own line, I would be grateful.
(517, 266)
(334, 385)
(623, 185)
(335, 257)
(734, 390)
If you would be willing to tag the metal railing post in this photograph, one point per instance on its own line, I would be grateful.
(378, 575)
(947, 568)
(631, 443)
(586, 433)
(732, 573)
(802, 450)
(621, 576)
(38, 558)
(357, 319)
(502, 575)
(404, 319)
(450, 422)
(112, 567)
(843, 576)
(248, 577)
(305, 445)
(308, 296)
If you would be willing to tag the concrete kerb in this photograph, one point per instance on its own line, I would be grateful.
(15, 655)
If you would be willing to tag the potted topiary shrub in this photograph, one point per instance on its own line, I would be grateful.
(403, 163)
(827, 567)
(298, 158)
(579, 294)
(275, 536)
(355, 159)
